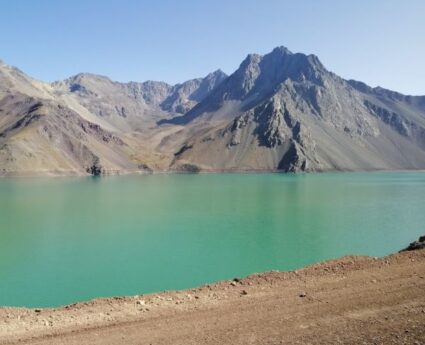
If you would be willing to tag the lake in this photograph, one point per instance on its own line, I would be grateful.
(64, 240)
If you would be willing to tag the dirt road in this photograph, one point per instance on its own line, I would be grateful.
(352, 300)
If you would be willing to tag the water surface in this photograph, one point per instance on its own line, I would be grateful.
(70, 239)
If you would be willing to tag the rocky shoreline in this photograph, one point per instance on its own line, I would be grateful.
(415, 245)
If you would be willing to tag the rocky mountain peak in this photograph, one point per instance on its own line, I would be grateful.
(263, 74)
(259, 77)
(87, 77)
(281, 50)
(82, 83)
(216, 74)
(183, 97)
(251, 59)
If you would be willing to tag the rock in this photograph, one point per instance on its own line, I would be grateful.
(141, 302)
(244, 292)
(302, 294)
(95, 169)
(233, 283)
(37, 310)
(188, 168)
(416, 245)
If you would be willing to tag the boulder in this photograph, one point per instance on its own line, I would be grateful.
(419, 244)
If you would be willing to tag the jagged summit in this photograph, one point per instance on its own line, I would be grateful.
(259, 76)
(281, 50)
(218, 73)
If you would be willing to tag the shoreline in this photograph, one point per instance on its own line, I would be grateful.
(201, 172)
(396, 281)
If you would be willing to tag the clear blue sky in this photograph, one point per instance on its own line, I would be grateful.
(381, 42)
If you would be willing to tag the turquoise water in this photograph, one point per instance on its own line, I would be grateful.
(70, 239)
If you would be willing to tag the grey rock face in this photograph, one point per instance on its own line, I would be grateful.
(183, 97)
(391, 118)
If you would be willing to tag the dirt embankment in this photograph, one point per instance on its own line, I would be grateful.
(352, 300)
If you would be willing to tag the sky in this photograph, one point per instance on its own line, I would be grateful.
(380, 42)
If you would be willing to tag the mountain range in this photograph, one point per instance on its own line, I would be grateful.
(281, 111)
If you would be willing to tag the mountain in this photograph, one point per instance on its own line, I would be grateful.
(281, 111)
(87, 123)
(183, 97)
(286, 111)
(133, 106)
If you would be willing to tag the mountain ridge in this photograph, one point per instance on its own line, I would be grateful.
(278, 111)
